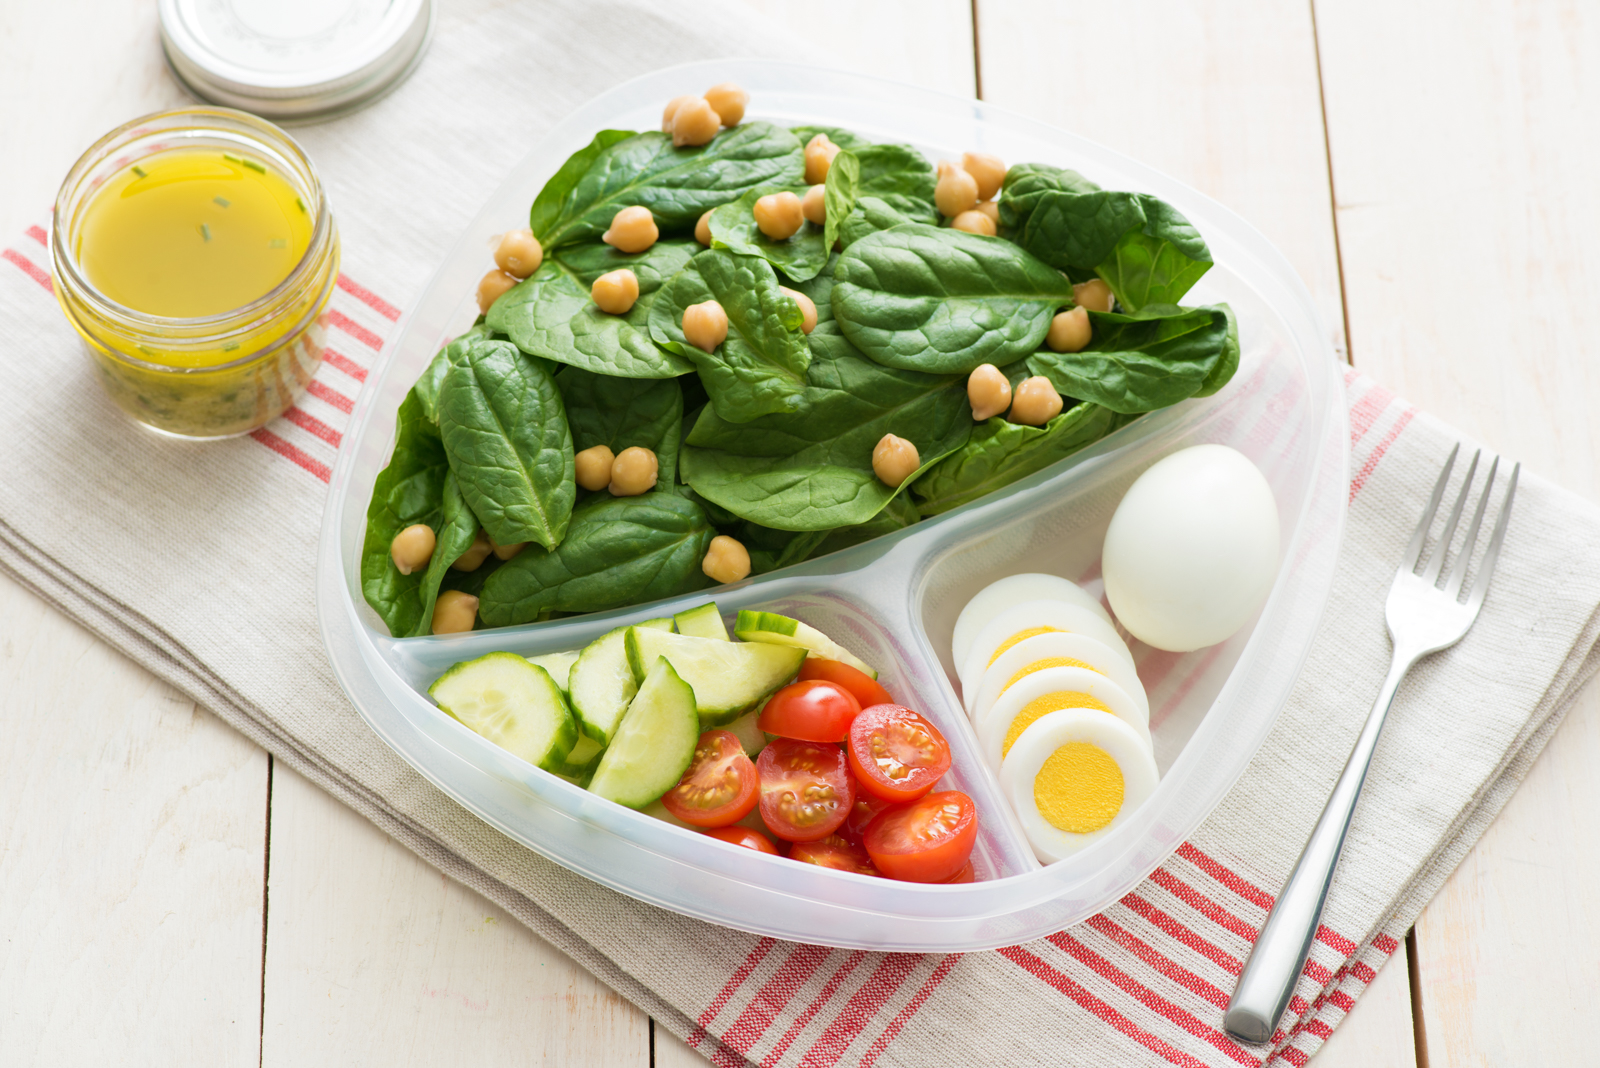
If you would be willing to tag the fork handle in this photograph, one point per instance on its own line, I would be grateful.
(1269, 975)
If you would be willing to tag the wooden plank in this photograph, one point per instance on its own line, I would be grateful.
(924, 42)
(1378, 1032)
(132, 827)
(1466, 211)
(373, 957)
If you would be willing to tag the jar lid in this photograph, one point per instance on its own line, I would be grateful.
(294, 59)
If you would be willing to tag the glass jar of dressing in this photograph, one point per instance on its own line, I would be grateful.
(194, 252)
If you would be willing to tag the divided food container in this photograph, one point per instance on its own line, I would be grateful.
(894, 600)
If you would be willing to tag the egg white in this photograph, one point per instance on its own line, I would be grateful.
(1096, 654)
(1044, 737)
(1008, 593)
(1073, 618)
(993, 724)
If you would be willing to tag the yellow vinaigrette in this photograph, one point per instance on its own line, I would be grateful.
(191, 233)
(1079, 789)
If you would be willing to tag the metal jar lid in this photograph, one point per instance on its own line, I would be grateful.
(294, 59)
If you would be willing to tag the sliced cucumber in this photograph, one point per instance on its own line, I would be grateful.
(654, 743)
(750, 736)
(514, 704)
(781, 630)
(583, 759)
(601, 684)
(702, 622)
(727, 677)
(559, 665)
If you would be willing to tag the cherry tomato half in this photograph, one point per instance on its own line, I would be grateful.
(926, 841)
(895, 753)
(744, 836)
(815, 711)
(967, 874)
(834, 852)
(720, 786)
(806, 789)
(863, 812)
(863, 687)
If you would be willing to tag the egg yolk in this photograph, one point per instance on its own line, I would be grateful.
(1049, 662)
(1079, 788)
(1022, 635)
(1042, 706)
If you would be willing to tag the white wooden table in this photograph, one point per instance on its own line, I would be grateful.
(168, 897)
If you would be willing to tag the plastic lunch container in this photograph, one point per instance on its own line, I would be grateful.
(894, 600)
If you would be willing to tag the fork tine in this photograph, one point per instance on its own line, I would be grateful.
(1480, 585)
(1458, 573)
(1441, 550)
(1414, 550)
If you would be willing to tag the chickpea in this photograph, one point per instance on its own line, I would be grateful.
(973, 222)
(779, 215)
(956, 192)
(594, 467)
(808, 308)
(694, 123)
(476, 553)
(820, 151)
(728, 101)
(616, 291)
(633, 472)
(1069, 330)
(671, 110)
(988, 391)
(454, 612)
(705, 325)
(632, 230)
(412, 548)
(506, 552)
(518, 253)
(991, 211)
(814, 205)
(491, 287)
(988, 171)
(702, 229)
(726, 560)
(1094, 295)
(1036, 402)
(893, 460)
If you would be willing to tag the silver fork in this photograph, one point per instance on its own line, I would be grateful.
(1422, 619)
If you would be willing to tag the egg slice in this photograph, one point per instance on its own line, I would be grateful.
(1055, 649)
(1051, 690)
(1008, 593)
(1073, 777)
(1023, 621)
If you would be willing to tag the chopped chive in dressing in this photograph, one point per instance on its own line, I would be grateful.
(140, 171)
(220, 201)
(205, 231)
(277, 242)
(300, 204)
(253, 165)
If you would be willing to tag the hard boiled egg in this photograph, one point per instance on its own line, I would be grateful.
(1008, 593)
(1051, 690)
(1055, 648)
(1192, 549)
(1023, 621)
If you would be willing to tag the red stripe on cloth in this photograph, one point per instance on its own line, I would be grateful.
(323, 393)
(1336, 940)
(913, 1006)
(1169, 926)
(1225, 875)
(1299, 1005)
(1202, 904)
(369, 298)
(354, 329)
(1363, 972)
(1037, 968)
(1150, 999)
(291, 453)
(1341, 999)
(312, 425)
(868, 1000)
(829, 989)
(1294, 1056)
(735, 981)
(29, 268)
(1318, 972)
(1320, 1029)
(1377, 453)
(38, 234)
(1365, 412)
(774, 997)
(345, 364)
(1148, 954)
(1385, 944)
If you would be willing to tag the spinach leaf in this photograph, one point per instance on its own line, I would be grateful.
(557, 193)
(1140, 361)
(999, 453)
(427, 387)
(897, 176)
(944, 301)
(1222, 373)
(618, 551)
(897, 515)
(1026, 182)
(409, 490)
(840, 190)
(733, 227)
(771, 549)
(760, 368)
(845, 139)
(820, 290)
(868, 217)
(622, 412)
(1159, 262)
(552, 315)
(457, 530)
(811, 469)
(678, 185)
(506, 435)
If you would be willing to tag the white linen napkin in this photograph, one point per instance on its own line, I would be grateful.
(198, 562)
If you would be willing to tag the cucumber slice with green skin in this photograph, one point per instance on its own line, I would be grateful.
(601, 683)
(514, 704)
(583, 759)
(704, 621)
(654, 743)
(727, 677)
(781, 630)
(750, 736)
(559, 665)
